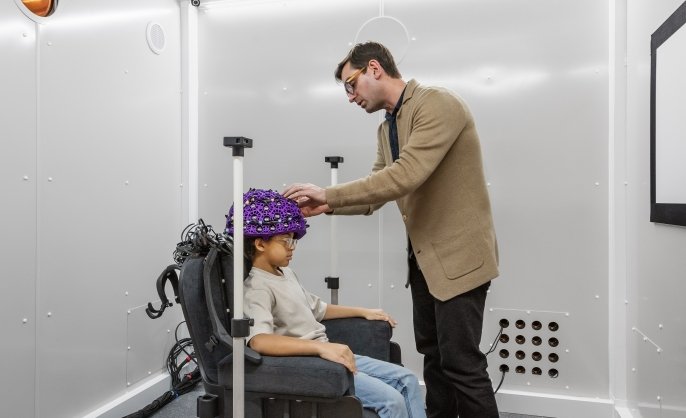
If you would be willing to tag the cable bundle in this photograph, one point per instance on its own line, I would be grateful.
(181, 383)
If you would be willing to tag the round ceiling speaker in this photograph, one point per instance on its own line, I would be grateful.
(156, 37)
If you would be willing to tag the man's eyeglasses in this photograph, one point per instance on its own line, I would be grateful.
(348, 84)
(289, 242)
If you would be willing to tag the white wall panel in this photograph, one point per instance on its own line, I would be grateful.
(267, 73)
(656, 264)
(109, 196)
(18, 210)
(535, 74)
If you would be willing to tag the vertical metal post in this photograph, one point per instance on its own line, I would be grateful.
(238, 144)
(332, 280)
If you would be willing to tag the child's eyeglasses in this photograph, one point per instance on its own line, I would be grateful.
(289, 242)
(348, 84)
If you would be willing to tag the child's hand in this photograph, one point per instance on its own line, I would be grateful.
(380, 315)
(338, 353)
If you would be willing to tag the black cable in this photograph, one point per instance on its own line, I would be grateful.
(181, 383)
(502, 379)
(495, 342)
(176, 337)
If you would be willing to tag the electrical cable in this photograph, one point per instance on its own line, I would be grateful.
(495, 342)
(502, 379)
(181, 382)
(494, 345)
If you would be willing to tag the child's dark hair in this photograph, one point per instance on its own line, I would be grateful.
(249, 249)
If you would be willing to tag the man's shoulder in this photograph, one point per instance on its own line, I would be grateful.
(426, 92)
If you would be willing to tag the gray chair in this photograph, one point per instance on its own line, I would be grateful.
(304, 387)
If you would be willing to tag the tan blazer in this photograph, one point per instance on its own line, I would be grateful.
(439, 186)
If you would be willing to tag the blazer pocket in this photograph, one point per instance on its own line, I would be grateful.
(458, 256)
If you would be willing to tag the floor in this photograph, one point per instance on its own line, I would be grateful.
(184, 407)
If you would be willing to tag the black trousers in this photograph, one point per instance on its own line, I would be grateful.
(448, 335)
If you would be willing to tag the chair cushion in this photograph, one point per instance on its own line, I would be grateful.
(295, 376)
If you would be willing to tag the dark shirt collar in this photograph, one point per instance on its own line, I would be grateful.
(392, 115)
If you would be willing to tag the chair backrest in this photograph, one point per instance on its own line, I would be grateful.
(193, 298)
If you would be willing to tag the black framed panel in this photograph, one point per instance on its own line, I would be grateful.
(664, 212)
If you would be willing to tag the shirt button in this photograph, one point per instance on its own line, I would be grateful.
(404, 217)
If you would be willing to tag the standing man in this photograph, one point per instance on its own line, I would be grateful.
(429, 162)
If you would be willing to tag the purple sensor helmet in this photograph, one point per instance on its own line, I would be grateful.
(266, 213)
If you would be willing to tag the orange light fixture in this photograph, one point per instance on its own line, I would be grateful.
(41, 8)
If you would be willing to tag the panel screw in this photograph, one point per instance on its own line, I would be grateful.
(128, 312)
(128, 348)
(49, 314)
(49, 178)
(25, 320)
(26, 178)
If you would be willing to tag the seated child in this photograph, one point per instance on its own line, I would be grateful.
(287, 316)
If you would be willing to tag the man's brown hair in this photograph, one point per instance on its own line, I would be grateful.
(360, 55)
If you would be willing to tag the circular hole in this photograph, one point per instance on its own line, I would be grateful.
(537, 371)
(553, 357)
(504, 353)
(520, 324)
(504, 368)
(553, 326)
(536, 325)
(553, 373)
(536, 356)
(520, 369)
(520, 355)
(520, 339)
(504, 338)
(536, 340)
(553, 342)
(504, 323)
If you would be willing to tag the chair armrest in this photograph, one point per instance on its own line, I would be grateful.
(364, 337)
(292, 376)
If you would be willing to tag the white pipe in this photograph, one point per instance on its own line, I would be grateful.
(334, 241)
(238, 342)
(189, 109)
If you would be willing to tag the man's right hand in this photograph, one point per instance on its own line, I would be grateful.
(338, 353)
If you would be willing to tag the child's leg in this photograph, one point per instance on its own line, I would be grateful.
(400, 380)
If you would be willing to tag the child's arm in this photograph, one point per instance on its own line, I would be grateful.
(339, 311)
(280, 345)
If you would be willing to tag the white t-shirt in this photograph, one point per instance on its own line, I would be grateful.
(280, 305)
